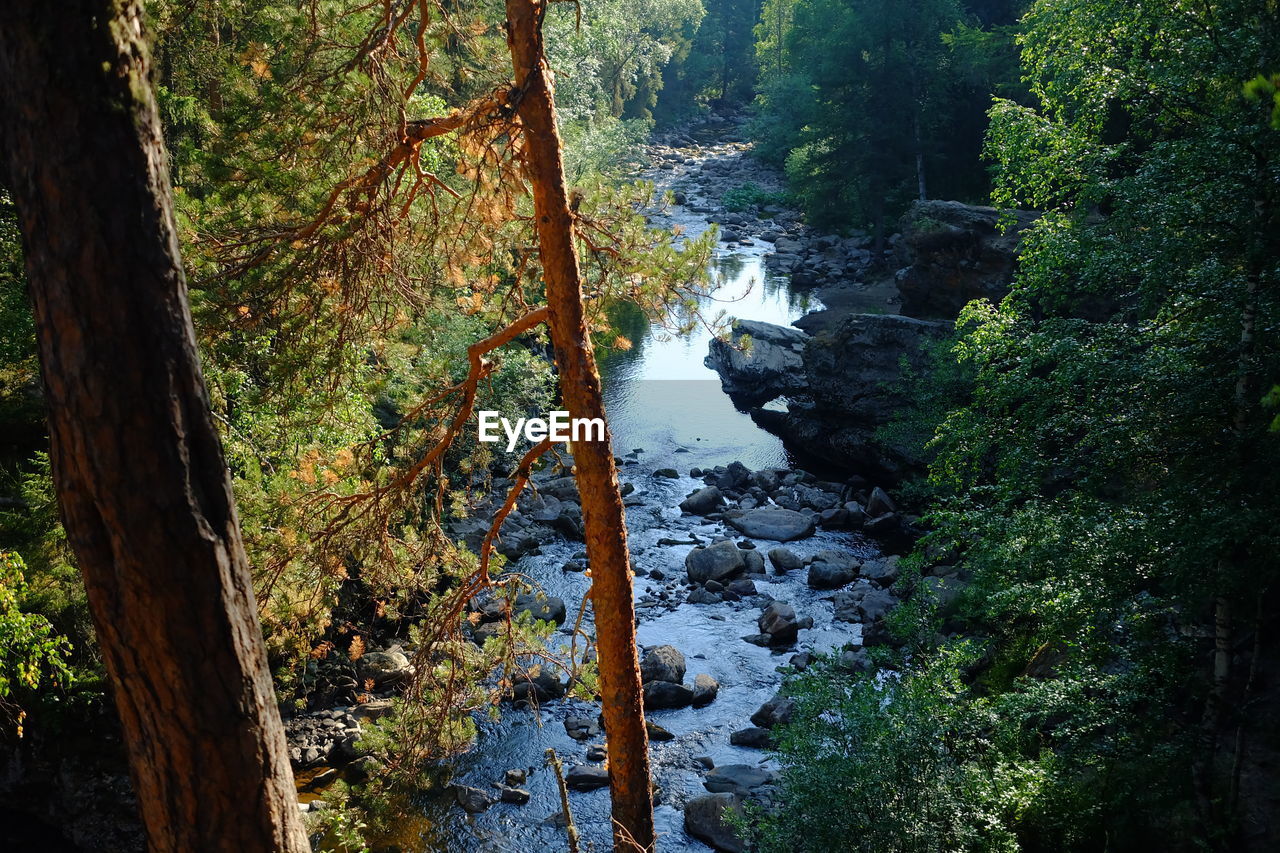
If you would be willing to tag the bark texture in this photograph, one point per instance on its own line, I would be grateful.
(145, 493)
(597, 477)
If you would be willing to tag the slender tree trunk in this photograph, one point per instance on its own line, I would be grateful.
(602, 513)
(915, 132)
(145, 494)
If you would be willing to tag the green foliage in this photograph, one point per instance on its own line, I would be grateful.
(31, 652)
(900, 763)
(717, 67)
(748, 195)
(856, 95)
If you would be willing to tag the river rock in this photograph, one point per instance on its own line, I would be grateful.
(779, 621)
(703, 596)
(781, 525)
(759, 362)
(706, 818)
(703, 501)
(740, 779)
(383, 668)
(546, 608)
(472, 800)
(752, 737)
(784, 560)
(775, 712)
(663, 663)
(864, 604)
(579, 728)
(715, 562)
(660, 695)
(518, 796)
(705, 689)
(538, 683)
(587, 777)
(832, 569)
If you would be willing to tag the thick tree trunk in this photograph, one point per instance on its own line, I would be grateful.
(602, 513)
(145, 494)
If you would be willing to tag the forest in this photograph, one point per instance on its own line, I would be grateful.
(936, 345)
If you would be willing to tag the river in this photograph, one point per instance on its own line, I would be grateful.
(666, 409)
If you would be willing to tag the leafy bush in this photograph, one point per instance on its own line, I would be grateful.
(30, 651)
(748, 195)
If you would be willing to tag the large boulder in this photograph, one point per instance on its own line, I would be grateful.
(663, 663)
(759, 362)
(740, 779)
(954, 253)
(714, 563)
(703, 501)
(661, 695)
(705, 690)
(707, 819)
(832, 569)
(586, 777)
(854, 377)
(779, 621)
(383, 668)
(771, 522)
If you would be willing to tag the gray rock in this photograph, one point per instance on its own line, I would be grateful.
(703, 501)
(705, 689)
(519, 796)
(779, 621)
(743, 586)
(383, 668)
(659, 695)
(740, 779)
(784, 560)
(669, 473)
(832, 569)
(776, 712)
(663, 663)
(753, 737)
(538, 684)
(753, 562)
(578, 728)
(586, 777)
(781, 525)
(702, 596)
(707, 819)
(547, 608)
(472, 800)
(879, 503)
(716, 562)
(759, 362)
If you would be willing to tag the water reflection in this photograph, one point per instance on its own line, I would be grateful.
(660, 396)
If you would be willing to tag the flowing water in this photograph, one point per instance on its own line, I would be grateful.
(665, 409)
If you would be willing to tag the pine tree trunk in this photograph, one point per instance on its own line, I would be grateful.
(602, 512)
(144, 491)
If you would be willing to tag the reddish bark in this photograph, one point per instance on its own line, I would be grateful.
(144, 491)
(597, 477)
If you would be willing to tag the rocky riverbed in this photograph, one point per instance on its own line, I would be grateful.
(742, 571)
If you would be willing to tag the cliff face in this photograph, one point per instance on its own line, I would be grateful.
(953, 253)
(853, 380)
(843, 375)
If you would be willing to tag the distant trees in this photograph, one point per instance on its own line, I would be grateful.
(719, 65)
(1108, 486)
(870, 103)
(144, 491)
